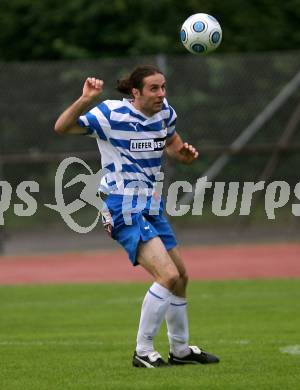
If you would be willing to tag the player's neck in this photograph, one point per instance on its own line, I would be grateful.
(140, 108)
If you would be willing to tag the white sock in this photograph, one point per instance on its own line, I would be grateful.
(155, 305)
(177, 324)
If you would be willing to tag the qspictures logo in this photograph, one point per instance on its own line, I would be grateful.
(88, 196)
(227, 198)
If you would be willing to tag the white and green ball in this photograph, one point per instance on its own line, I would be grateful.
(201, 33)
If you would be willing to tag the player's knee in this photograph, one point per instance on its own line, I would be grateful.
(171, 279)
(184, 279)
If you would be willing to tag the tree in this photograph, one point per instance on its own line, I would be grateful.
(52, 29)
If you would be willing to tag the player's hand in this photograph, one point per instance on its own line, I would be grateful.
(188, 153)
(92, 88)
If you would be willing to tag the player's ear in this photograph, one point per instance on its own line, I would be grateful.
(135, 92)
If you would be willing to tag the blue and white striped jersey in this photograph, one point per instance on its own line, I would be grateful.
(130, 143)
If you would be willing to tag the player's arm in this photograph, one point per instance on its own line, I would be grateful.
(67, 121)
(180, 150)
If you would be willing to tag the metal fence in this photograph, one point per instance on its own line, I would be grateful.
(240, 110)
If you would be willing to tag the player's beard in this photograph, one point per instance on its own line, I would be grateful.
(157, 106)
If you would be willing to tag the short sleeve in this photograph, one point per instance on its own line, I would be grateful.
(171, 122)
(83, 122)
(96, 121)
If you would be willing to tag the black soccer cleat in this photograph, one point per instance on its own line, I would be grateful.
(153, 360)
(195, 357)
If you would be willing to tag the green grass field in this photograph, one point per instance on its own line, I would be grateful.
(82, 337)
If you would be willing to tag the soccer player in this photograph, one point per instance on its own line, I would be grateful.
(132, 135)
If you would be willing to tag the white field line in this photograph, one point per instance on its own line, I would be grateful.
(291, 349)
(71, 343)
(79, 302)
(41, 343)
(238, 342)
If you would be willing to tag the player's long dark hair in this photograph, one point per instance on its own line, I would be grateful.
(136, 79)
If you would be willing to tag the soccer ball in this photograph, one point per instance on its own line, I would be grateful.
(201, 33)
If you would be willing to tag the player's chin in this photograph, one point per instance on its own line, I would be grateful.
(157, 107)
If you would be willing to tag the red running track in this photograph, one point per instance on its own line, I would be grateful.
(203, 262)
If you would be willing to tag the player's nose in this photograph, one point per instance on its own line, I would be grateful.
(161, 92)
